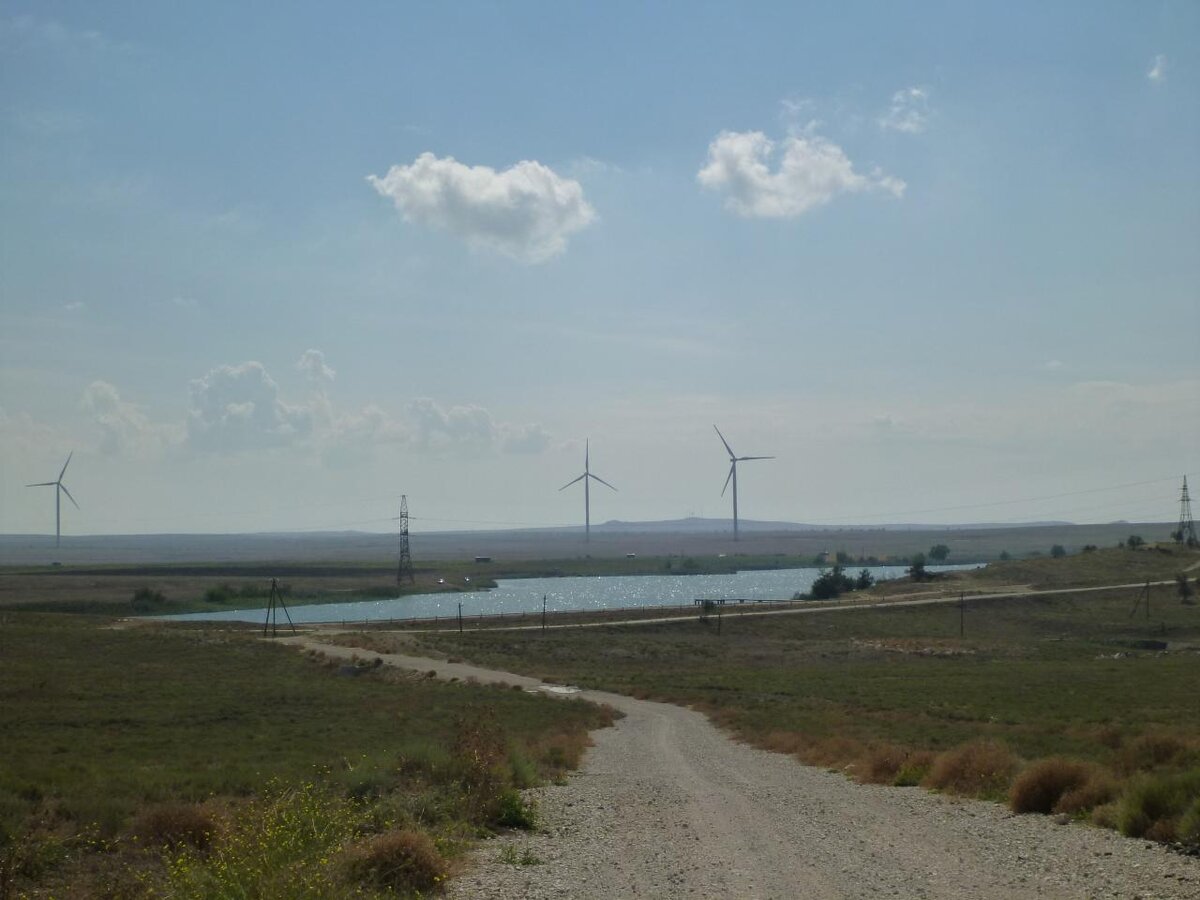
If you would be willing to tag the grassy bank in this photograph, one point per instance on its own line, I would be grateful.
(118, 743)
(897, 695)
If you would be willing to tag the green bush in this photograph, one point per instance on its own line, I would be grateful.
(1154, 806)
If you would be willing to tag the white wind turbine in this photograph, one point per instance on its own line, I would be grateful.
(59, 490)
(732, 476)
(587, 495)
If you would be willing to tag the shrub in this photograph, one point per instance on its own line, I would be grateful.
(1058, 551)
(1188, 831)
(1153, 750)
(1040, 787)
(1098, 790)
(1153, 806)
(881, 764)
(865, 580)
(915, 769)
(978, 769)
(512, 811)
(916, 569)
(406, 860)
(175, 825)
(146, 599)
(831, 583)
(1134, 542)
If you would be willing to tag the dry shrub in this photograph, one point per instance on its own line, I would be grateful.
(977, 769)
(881, 764)
(833, 752)
(175, 825)
(1153, 750)
(1099, 789)
(1153, 805)
(789, 742)
(405, 860)
(1040, 787)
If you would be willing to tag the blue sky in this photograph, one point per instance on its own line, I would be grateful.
(271, 267)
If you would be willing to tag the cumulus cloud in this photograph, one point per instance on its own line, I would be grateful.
(526, 212)
(470, 429)
(312, 364)
(124, 428)
(238, 408)
(1158, 69)
(909, 112)
(811, 171)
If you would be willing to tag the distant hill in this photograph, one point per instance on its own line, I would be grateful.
(697, 525)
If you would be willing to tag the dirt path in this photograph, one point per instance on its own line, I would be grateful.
(668, 806)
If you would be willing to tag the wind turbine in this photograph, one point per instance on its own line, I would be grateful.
(732, 476)
(587, 494)
(59, 490)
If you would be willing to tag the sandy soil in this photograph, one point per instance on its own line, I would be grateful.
(666, 805)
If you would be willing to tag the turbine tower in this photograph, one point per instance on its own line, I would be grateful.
(587, 495)
(59, 490)
(734, 459)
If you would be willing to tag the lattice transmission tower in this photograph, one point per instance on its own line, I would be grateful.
(1186, 533)
(405, 569)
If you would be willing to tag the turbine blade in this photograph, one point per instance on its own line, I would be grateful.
(587, 452)
(67, 463)
(68, 493)
(43, 484)
(601, 480)
(723, 441)
(572, 481)
(728, 477)
(741, 458)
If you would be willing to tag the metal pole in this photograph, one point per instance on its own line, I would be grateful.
(543, 612)
(460, 617)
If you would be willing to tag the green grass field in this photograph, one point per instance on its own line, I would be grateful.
(100, 726)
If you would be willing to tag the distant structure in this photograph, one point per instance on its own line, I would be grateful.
(587, 498)
(1186, 533)
(732, 476)
(59, 490)
(405, 569)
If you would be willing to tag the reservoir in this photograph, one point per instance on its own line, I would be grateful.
(524, 595)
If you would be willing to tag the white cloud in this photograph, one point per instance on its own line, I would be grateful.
(810, 173)
(124, 428)
(238, 408)
(1158, 69)
(909, 112)
(75, 306)
(312, 364)
(470, 430)
(526, 212)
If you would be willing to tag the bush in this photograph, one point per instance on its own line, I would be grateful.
(1135, 542)
(916, 569)
(939, 552)
(1058, 551)
(175, 825)
(830, 584)
(405, 860)
(1097, 791)
(1154, 750)
(1188, 831)
(978, 769)
(512, 811)
(865, 580)
(1040, 787)
(146, 599)
(1154, 806)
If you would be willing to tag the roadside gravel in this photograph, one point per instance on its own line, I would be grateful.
(666, 805)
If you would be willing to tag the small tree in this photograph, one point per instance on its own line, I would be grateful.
(1134, 541)
(146, 599)
(865, 580)
(916, 569)
(1058, 551)
(1090, 548)
(1005, 556)
(939, 552)
(830, 584)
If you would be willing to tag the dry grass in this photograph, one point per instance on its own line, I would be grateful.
(1157, 749)
(175, 825)
(405, 860)
(976, 769)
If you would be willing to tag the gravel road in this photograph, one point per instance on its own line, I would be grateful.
(666, 805)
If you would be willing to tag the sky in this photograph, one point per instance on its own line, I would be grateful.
(268, 267)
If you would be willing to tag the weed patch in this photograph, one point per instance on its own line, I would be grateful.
(977, 769)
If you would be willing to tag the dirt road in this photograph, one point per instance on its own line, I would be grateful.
(668, 806)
